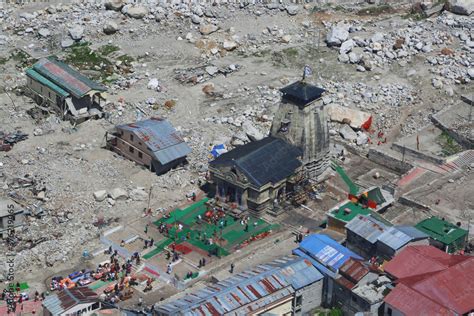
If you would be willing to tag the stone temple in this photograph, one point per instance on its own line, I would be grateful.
(301, 121)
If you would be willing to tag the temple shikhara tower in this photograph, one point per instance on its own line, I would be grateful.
(301, 120)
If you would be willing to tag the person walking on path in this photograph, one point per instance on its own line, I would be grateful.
(146, 229)
(231, 268)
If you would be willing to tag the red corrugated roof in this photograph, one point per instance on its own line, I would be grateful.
(452, 287)
(431, 282)
(416, 260)
(411, 302)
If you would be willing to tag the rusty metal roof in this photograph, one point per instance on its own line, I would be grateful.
(354, 270)
(66, 77)
(247, 291)
(68, 298)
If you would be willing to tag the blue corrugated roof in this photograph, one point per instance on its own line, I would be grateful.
(326, 251)
(399, 236)
(257, 287)
(161, 137)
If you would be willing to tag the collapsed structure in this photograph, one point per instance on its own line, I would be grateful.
(55, 85)
(153, 143)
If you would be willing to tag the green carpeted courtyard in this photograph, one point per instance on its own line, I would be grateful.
(227, 234)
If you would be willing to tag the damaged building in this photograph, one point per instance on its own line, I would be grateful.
(58, 87)
(11, 216)
(153, 143)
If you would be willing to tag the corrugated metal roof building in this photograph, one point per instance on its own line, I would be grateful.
(392, 240)
(160, 137)
(416, 260)
(443, 234)
(362, 234)
(326, 254)
(67, 78)
(446, 289)
(367, 228)
(247, 291)
(65, 300)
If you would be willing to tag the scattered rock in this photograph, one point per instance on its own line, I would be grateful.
(207, 29)
(347, 46)
(153, 84)
(286, 38)
(229, 45)
(100, 195)
(76, 32)
(252, 132)
(110, 27)
(115, 5)
(337, 35)
(348, 133)
(65, 43)
(44, 32)
(137, 12)
(118, 194)
(292, 9)
(362, 139)
(470, 72)
(212, 70)
(464, 7)
(139, 194)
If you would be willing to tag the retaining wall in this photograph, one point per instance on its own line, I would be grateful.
(389, 161)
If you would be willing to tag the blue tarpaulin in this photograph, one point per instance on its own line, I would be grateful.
(218, 150)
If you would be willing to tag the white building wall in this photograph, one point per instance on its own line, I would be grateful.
(79, 308)
(395, 312)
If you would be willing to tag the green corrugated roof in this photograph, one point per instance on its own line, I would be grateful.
(355, 210)
(441, 230)
(43, 80)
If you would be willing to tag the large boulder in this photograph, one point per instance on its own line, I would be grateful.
(118, 194)
(464, 7)
(100, 195)
(337, 35)
(137, 12)
(355, 118)
(347, 46)
(115, 5)
(348, 133)
(110, 27)
(76, 32)
(252, 132)
(207, 29)
(229, 45)
(139, 194)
